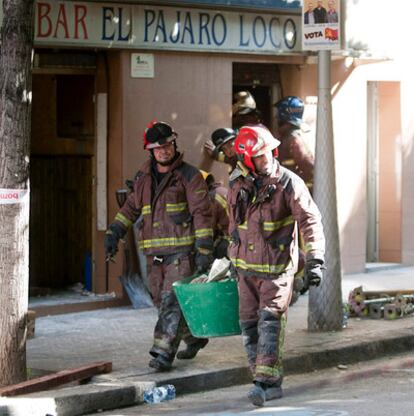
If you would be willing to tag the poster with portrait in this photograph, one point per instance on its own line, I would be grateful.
(321, 25)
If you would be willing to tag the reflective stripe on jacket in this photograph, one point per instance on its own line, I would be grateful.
(264, 222)
(176, 216)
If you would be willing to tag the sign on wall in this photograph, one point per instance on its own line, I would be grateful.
(252, 4)
(106, 25)
(321, 25)
(142, 65)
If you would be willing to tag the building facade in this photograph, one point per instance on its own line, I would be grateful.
(103, 71)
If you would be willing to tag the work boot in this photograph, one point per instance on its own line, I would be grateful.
(160, 363)
(257, 394)
(191, 350)
(273, 393)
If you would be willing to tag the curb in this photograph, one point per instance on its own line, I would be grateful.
(347, 355)
(107, 394)
(74, 401)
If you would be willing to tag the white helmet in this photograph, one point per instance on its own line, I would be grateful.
(243, 103)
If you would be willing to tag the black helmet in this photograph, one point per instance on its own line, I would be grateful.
(158, 133)
(222, 136)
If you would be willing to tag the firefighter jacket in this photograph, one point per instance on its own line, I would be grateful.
(295, 156)
(265, 213)
(176, 213)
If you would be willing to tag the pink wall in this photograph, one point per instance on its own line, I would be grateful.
(191, 92)
(389, 172)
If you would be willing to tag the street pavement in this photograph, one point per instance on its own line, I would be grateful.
(124, 336)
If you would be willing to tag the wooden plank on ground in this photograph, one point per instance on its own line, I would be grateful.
(56, 379)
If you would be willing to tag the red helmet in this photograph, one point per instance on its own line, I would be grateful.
(157, 134)
(254, 141)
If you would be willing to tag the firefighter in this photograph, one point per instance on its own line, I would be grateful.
(293, 152)
(221, 148)
(218, 197)
(266, 207)
(175, 233)
(244, 111)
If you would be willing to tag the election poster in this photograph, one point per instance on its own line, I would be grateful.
(321, 25)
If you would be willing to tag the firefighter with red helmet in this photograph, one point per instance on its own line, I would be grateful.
(175, 233)
(266, 207)
(293, 152)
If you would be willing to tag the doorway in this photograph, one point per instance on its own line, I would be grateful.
(384, 165)
(61, 171)
(60, 220)
(263, 82)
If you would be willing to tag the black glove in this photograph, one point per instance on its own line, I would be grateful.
(220, 250)
(313, 274)
(203, 261)
(113, 234)
(298, 283)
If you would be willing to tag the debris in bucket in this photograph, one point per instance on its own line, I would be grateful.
(219, 271)
(200, 279)
(389, 305)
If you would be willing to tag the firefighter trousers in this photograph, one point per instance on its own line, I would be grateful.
(263, 306)
(171, 326)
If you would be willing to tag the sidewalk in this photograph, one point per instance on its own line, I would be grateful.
(124, 336)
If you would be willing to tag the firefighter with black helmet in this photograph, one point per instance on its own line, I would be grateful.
(266, 207)
(175, 233)
(244, 112)
(221, 148)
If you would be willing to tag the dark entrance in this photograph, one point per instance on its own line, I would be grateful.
(62, 150)
(263, 82)
(60, 220)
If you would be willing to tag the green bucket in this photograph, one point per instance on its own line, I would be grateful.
(210, 309)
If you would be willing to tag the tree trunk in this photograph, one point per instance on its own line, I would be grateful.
(15, 105)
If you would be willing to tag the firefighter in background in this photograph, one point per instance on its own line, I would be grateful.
(244, 112)
(221, 146)
(218, 197)
(293, 152)
(175, 235)
(266, 208)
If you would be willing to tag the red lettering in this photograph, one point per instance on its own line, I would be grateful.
(61, 20)
(14, 195)
(43, 10)
(80, 19)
